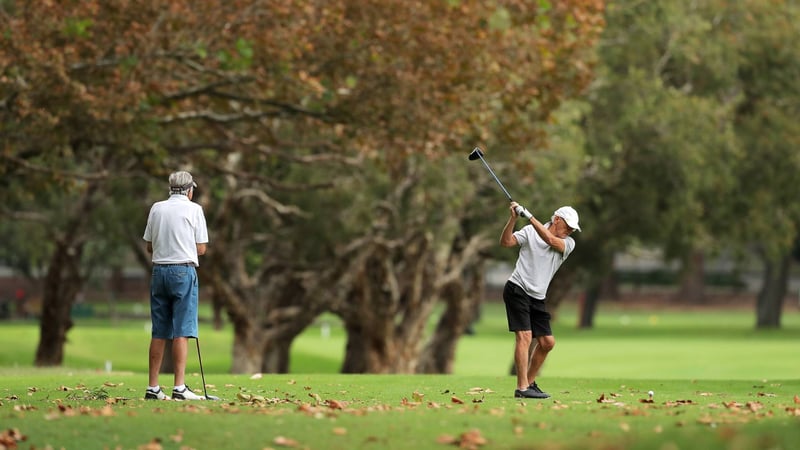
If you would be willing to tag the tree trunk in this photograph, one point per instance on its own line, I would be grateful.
(277, 355)
(588, 306)
(693, 284)
(461, 310)
(167, 365)
(63, 282)
(248, 350)
(61, 286)
(773, 291)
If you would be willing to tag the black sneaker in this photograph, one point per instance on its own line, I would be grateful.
(155, 395)
(529, 393)
(535, 387)
(186, 394)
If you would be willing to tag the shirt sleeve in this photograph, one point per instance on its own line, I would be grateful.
(201, 231)
(569, 246)
(148, 232)
(522, 235)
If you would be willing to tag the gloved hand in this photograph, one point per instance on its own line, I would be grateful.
(521, 211)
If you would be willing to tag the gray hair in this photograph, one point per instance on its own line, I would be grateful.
(181, 182)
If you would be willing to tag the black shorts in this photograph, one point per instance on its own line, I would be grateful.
(525, 312)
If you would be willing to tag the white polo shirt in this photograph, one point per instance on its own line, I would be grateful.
(537, 261)
(175, 226)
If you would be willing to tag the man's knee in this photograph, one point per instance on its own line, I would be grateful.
(523, 337)
(546, 343)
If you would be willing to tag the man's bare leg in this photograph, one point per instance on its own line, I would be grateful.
(521, 357)
(156, 355)
(541, 348)
(179, 351)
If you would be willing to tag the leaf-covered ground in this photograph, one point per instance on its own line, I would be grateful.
(96, 410)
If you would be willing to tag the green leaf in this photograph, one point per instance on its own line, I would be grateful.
(500, 20)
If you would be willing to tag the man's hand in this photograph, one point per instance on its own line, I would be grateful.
(521, 211)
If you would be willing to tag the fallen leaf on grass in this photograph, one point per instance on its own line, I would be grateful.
(336, 404)
(793, 411)
(479, 391)
(457, 400)
(10, 437)
(679, 402)
(754, 406)
(155, 444)
(797, 398)
(20, 408)
(417, 396)
(471, 439)
(339, 431)
(177, 437)
(285, 442)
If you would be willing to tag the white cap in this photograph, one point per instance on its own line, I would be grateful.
(569, 215)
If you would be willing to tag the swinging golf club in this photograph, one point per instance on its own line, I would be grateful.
(202, 375)
(477, 153)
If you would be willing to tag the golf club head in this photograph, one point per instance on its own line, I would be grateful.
(477, 153)
(212, 397)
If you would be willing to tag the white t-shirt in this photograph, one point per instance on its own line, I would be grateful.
(537, 261)
(175, 226)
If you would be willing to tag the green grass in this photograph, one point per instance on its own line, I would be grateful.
(630, 344)
(57, 409)
(718, 384)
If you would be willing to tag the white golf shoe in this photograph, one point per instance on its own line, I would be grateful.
(186, 394)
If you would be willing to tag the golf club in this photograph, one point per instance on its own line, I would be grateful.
(477, 153)
(202, 375)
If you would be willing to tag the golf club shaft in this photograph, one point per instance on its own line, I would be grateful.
(495, 177)
(202, 375)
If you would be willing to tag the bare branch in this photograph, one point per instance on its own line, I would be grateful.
(28, 216)
(27, 165)
(271, 202)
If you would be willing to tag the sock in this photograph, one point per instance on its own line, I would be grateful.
(154, 389)
(179, 388)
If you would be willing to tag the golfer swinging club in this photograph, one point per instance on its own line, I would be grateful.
(175, 234)
(542, 250)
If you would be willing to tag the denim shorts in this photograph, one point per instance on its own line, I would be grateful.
(524, 312)
(173, 301)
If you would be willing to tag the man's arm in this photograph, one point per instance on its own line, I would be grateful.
(552, 240)
(549, 238)
(201, 249)
(150, 247)
(507, 238)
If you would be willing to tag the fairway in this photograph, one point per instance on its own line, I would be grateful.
(329, 411)
(717, 383)
(666, 344)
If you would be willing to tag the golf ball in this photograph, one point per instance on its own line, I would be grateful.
(650, 393)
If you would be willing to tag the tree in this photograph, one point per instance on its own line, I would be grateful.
(71, 133)
(338, 113)
(766, 125)
(659, 134)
